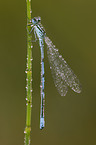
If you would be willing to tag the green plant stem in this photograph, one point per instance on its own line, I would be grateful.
(29, 76)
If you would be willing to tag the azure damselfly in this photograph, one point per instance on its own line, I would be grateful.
(63, 75)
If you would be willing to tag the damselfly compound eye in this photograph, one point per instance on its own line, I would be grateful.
(33, 20)
(39, 19)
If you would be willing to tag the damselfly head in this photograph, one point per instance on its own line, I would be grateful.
(36, 20)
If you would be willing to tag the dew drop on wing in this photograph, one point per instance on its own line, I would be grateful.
(63, 75)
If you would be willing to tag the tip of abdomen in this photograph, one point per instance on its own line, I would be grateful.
(42, 123)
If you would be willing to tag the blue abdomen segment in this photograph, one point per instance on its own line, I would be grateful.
(42, 121)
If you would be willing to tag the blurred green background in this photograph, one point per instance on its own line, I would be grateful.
(70, 120)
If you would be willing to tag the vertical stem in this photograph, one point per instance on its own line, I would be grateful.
(29, 77)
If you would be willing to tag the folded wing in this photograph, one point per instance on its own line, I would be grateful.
(63, 75)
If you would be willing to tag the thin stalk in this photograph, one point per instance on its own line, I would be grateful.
(29, 76)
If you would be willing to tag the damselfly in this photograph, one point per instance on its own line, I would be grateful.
(63, 75)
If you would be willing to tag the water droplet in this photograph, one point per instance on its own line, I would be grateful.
(60, 56)
(24, 140)
(24, 131)
(40, 86)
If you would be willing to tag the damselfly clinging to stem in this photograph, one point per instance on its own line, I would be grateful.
(63, 75)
